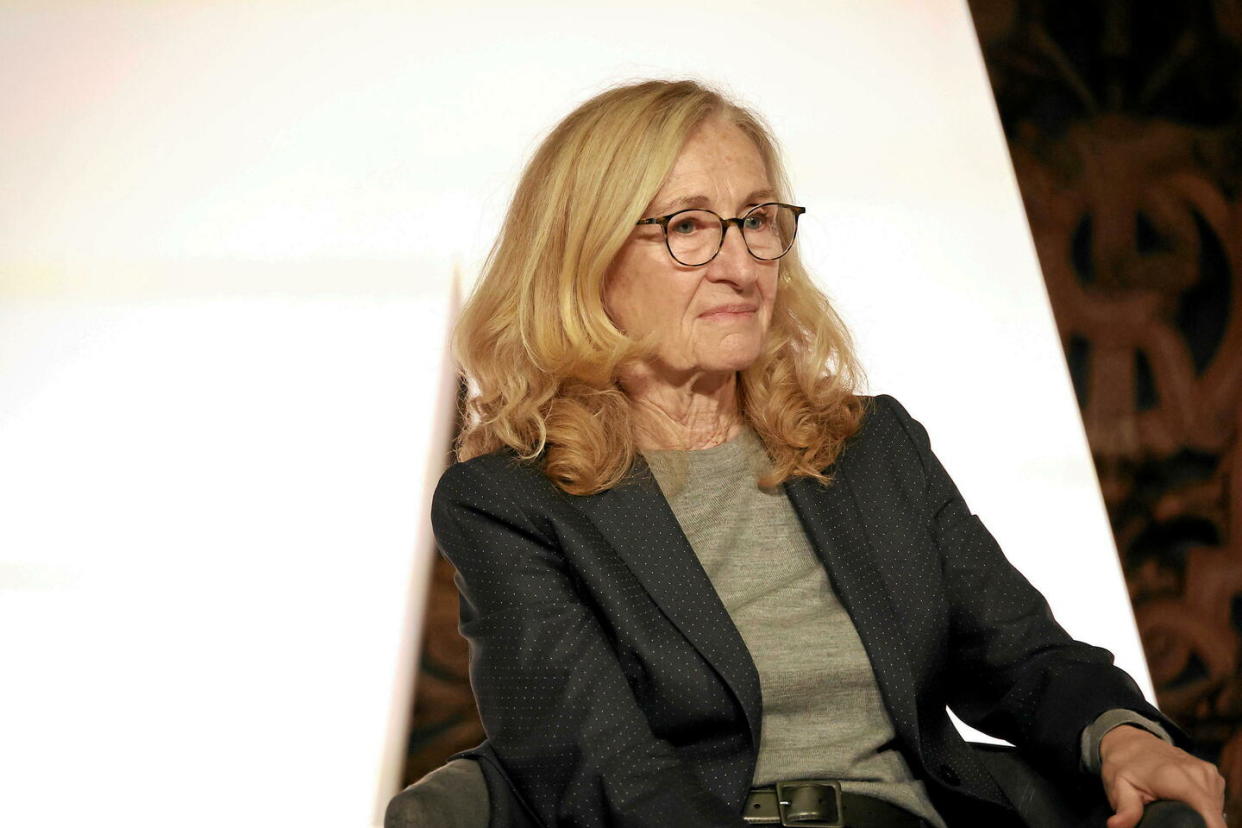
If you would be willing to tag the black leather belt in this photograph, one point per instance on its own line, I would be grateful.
(820, 803)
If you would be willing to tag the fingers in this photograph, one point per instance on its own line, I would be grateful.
(1213, 818)
(1210, 802)
(1128, 804)
(1136, 768)
(1201, 787)
(1213, 810)
(1198, 791)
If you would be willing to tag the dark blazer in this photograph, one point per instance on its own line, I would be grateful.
(615, 690)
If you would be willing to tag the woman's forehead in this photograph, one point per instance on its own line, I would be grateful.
(719, 165)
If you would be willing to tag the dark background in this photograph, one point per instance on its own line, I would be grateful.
(1124, 122)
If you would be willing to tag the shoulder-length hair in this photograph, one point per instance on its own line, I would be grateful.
(541, 356)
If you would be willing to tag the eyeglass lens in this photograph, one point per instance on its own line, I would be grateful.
(694, 236)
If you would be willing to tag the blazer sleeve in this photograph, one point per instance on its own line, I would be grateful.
(1012, 670)
(551, 693)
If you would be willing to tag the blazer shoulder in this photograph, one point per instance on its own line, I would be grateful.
(497, 464)
(502, 469)
(499, 484)
(890, 452)
(881, 411)
(886, 428)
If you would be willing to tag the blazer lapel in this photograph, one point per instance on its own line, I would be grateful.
(637, 521)
(835, 527)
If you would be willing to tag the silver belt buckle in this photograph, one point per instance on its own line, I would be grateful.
(813, 803)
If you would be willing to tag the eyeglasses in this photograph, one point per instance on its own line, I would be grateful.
(694, 237)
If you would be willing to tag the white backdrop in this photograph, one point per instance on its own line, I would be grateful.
(226, 259)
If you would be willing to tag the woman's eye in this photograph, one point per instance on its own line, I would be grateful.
(756, 222)
(684, 226)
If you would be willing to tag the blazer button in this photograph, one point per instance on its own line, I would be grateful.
(949, 775)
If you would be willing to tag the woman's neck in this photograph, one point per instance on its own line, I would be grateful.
(693, 411)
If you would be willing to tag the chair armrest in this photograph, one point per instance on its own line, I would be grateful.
(1167, 813)
(453, 795)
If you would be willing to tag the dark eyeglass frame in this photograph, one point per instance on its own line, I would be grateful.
(725, 223)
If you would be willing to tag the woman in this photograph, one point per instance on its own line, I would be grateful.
(693, 562)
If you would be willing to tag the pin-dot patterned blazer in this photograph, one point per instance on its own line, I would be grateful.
(615, 690)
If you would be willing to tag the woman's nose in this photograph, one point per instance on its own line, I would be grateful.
(733, 263)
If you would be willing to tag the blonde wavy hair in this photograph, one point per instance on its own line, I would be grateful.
(541, 356)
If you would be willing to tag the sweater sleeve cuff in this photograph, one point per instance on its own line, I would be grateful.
(1106, 721)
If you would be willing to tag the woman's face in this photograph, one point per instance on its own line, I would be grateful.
(711, 318)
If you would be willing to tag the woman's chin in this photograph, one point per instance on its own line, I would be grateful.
(736, 353)
(730, 362)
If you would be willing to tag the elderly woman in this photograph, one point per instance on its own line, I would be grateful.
(700, 575)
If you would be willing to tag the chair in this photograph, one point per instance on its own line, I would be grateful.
(453, 795)
(456, 795)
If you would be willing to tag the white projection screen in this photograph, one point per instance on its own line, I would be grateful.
(229, 236)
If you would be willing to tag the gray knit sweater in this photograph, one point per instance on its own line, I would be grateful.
(823, 716)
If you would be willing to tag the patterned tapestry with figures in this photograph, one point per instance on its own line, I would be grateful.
(1124, 121)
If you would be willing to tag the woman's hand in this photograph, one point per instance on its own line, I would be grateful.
(1138, 768)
